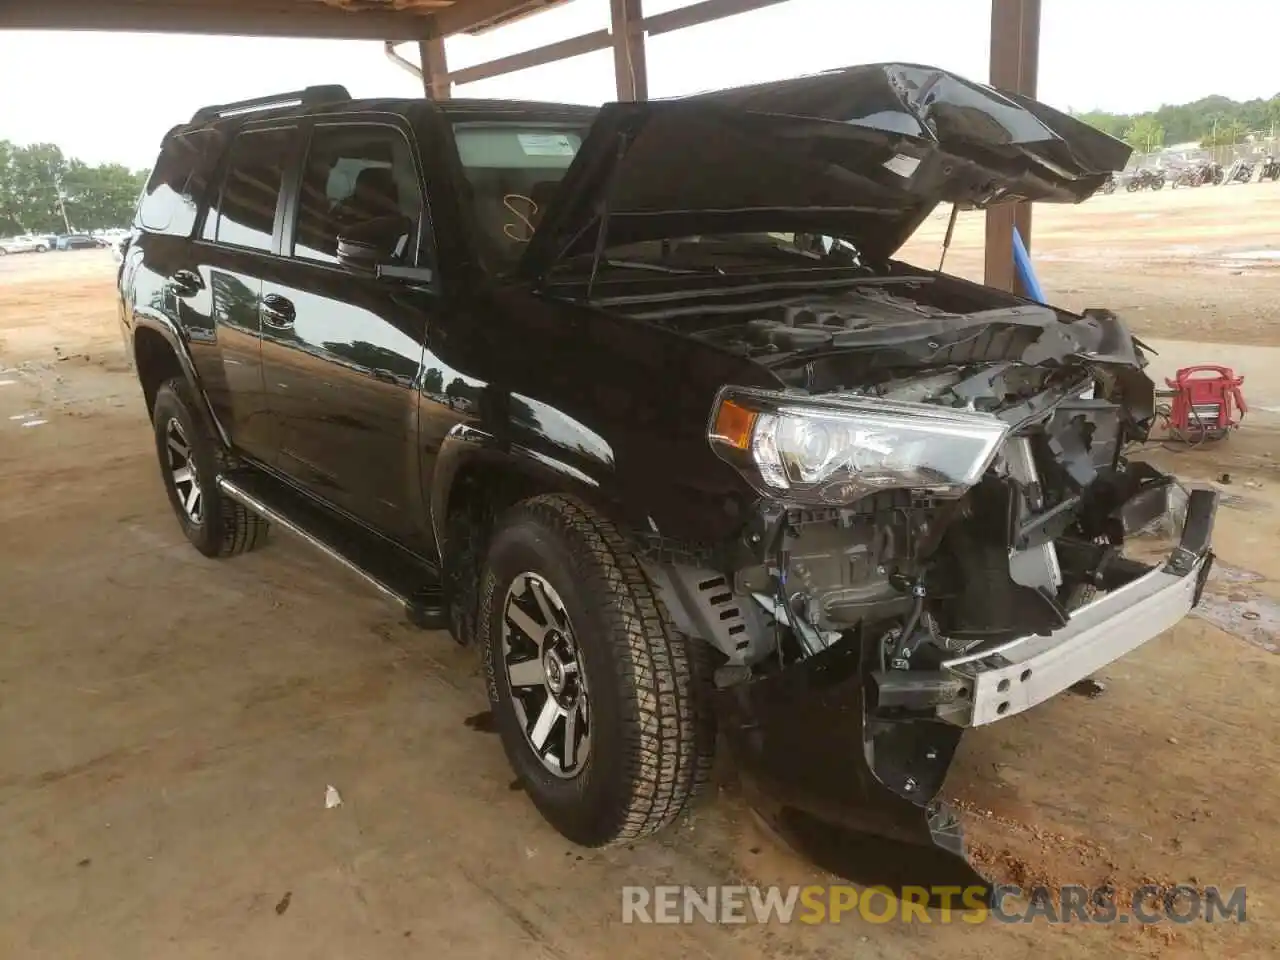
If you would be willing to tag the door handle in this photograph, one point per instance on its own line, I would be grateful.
(278, 312)
(186, 282)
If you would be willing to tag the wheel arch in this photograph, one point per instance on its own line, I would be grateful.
(473, 466)
(159, 354)
(476, 480)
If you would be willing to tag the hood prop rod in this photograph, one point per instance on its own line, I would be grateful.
(606, 204)
(951, 229)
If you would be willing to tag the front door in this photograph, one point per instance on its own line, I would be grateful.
(342, 348)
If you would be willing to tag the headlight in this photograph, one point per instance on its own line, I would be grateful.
(835, 450)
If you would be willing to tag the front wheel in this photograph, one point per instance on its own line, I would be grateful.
(602, 707)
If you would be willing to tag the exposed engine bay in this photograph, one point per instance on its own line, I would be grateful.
(925, 577)
(886, 593)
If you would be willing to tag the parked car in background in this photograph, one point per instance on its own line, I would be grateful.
(23, 244)
(77, 241)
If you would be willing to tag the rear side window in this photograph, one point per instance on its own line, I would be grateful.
(246, 212)
(177, 185)
(354, 173)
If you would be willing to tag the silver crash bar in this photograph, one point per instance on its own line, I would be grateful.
(1006, 680)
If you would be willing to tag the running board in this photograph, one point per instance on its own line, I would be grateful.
(387, 567)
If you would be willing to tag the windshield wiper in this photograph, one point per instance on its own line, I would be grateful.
(648, 266)
(661, 267)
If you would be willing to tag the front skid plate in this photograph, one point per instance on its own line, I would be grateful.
(853, 794)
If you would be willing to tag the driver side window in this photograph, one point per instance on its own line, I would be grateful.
(355, 173)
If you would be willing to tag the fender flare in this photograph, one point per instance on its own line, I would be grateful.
(467, 446)
(164, 325)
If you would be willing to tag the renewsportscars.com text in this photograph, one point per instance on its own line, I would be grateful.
(1008, 904)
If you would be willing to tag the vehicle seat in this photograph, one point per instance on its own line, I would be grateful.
(374, 195)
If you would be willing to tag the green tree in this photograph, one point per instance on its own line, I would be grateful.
(1225, 133)
(42, 192)
(33, 175)
(1112, 124)
(100, 197)
(1145, 134)
(1188, 122)
(9, 213)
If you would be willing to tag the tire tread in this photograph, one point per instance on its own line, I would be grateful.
(242, 530)
(668, 728)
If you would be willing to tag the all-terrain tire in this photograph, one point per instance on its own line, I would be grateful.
(652, 728)
(225, 528)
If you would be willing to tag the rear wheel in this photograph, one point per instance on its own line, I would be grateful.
(189, 463)
(601, 705)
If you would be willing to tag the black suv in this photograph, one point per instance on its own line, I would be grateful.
(638, 401)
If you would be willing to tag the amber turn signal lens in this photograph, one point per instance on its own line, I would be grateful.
(733, 425)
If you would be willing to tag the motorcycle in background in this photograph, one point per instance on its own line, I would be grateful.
(1109, 185)
(1240, 172)
(1198, 174)
(1270, 170)
(1146, 179)
(1187, 177)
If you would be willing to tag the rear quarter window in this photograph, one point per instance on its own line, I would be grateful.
(171, 199)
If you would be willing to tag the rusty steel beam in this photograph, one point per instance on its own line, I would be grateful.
(436, 83)
(561, 50)
(1015, 63)
(629, 27)
(699, 13)
(630, 65)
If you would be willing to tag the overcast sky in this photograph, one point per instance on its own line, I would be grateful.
(111, 97)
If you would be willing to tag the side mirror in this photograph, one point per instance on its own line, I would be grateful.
(374, 243)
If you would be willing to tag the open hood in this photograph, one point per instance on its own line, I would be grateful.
(864, 153)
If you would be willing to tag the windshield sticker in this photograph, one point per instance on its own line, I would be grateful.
(546, 145)
(902, 165)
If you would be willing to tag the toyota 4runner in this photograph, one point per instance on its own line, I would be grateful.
(638, 401)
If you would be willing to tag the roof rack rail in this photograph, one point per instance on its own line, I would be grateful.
(311, 96)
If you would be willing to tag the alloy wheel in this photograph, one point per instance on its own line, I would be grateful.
(182, 470)
(546, 676)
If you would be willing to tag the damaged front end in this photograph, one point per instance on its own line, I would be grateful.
(937, 544)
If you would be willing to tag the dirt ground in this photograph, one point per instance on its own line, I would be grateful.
(1187, 264)
(170, 724)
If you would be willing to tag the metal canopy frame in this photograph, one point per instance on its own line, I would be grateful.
(1015, 44)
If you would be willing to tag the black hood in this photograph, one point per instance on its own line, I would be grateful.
(864, 153)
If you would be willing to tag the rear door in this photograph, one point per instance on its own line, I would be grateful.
(342, 349)
(239, 240)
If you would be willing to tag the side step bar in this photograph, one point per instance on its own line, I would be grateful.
(388, 568)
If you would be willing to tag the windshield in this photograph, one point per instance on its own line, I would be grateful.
(513, 170)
